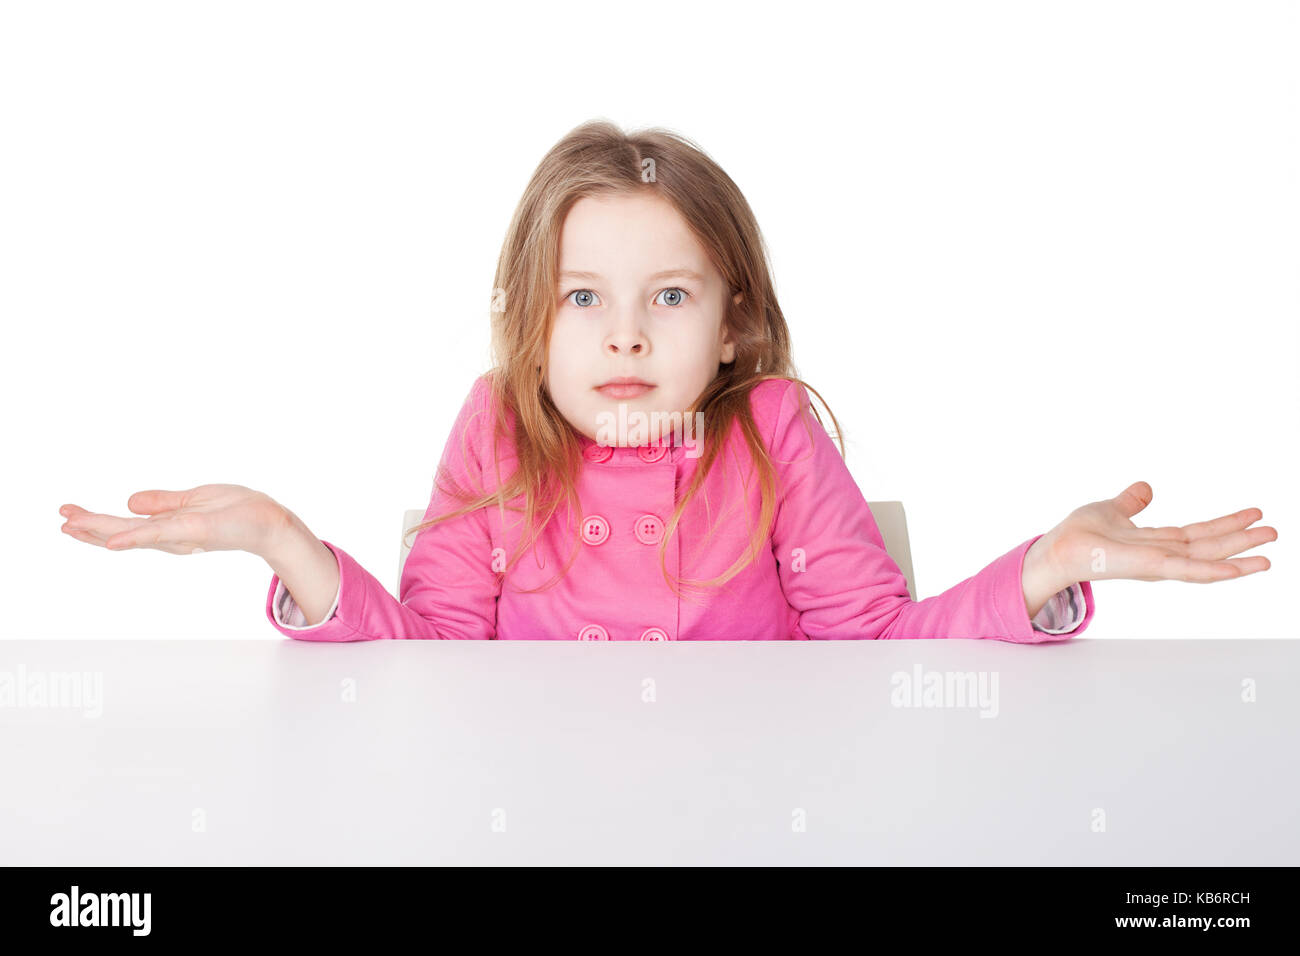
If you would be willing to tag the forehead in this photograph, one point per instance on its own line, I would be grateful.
(628, 236)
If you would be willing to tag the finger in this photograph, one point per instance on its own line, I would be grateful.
(163, 533)
(1225, 525)
(85, 536)
(1134, 498)
(155, 502)
(1204, 529)
(1216, 549)
(74, 511)
(1204, 572)
(100, 527)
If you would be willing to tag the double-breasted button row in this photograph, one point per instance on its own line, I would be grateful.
(594, 632)
(649, 529)
(647, 453)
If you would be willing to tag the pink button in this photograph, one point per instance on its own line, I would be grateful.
(651, 453)
(593, 632)
(648, 529)
(598, 452)
(654, 634)
(595, 529)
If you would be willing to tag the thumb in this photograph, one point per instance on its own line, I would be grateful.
(1134, 498)
(155, 502)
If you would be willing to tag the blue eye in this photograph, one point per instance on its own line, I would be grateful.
(590, 297)
(678, 294)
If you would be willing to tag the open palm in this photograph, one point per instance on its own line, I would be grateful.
(206, 518)
(1098, 541)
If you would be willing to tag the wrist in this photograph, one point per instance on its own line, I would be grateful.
(286, 540)
(306, 566)
(1040, 577)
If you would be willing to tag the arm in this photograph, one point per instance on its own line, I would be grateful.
(845, 585)
(1052, 607)
(306, 570)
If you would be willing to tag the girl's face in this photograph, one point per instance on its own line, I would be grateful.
(638, 298)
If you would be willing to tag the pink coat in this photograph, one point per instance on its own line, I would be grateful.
(824, 573)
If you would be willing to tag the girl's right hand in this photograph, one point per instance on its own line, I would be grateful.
(206, 518)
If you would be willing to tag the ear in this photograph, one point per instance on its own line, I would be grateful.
(728, 346)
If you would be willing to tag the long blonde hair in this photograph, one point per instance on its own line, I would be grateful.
(599, 158)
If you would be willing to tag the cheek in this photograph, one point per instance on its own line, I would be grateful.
(564, 358)
(563, 340)
(699, 343)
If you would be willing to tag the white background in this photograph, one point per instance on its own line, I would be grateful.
(1029, 252)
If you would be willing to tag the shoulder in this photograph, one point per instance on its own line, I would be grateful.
(476, 406)
(791, 427)
(481, 391)
(775, 403)
(769, 391)
(486, 402)
(470, 442)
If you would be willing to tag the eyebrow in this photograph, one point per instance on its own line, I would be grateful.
(665, 274)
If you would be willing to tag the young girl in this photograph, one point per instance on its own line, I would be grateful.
(641, 464)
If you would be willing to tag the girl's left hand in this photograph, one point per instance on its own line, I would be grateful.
(1099, 541)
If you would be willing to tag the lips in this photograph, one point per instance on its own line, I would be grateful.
(624, 390)
(624, 387)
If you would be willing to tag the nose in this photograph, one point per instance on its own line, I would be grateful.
(627, 337)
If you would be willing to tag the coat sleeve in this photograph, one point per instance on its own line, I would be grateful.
(285, 610)
(448, 588)
(1063, 612)
(841, 581)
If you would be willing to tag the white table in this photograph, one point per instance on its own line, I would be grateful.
(246, 752)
